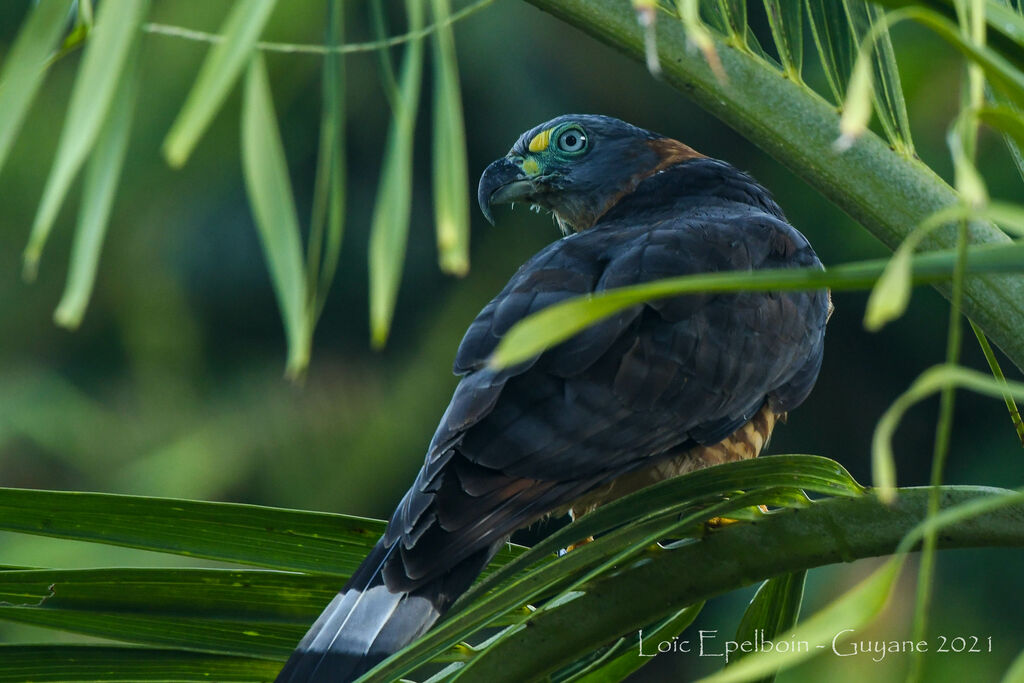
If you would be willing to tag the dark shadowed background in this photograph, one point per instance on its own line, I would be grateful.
(174, 384)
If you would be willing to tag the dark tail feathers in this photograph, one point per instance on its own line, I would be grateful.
(366, 622)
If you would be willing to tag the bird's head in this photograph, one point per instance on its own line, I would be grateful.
(577, 166)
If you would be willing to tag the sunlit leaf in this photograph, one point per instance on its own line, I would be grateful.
(451, 178)
(117, 26)
(891, 294)
(273, 206)
(261, 613)
(773, 611)
(102, 174)
(390, 228)
(560, 321)
(1015, 674)
(25, 66)
(997, 372)
(328, 215)
(219, 72)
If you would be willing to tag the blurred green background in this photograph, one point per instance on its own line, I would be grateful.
(174, 384)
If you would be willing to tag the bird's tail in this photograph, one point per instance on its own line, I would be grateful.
(366, 621)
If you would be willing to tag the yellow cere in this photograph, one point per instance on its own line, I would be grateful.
(531, 167)
(540, 141)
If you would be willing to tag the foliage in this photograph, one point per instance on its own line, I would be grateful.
(233, 624)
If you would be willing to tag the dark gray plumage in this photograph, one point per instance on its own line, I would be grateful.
(652, 384)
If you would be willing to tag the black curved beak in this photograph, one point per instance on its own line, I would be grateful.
(502, 182)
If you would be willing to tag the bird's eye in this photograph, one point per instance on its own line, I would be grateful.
(572, 140)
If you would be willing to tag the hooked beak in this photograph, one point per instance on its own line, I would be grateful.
(502, 182)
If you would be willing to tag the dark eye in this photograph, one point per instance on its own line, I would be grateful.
(572, 140)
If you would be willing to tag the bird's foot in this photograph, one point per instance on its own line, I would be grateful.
(573, 546)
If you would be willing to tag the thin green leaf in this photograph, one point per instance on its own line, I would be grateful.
(390, 228)
(116, 28)
(560, 321)
(774, 610)
(997, 372)
(891, 294)
(451, 178)
(246, 534)
(259, 613)
(289, 540)
(86, 663)
(930, 381)
(1005, 119)
(888, 93)
(1015, 674)
(384, 64)
(834, 40)
(219, 72)
(25, 66)
(273, 206)
(328, 215)
(730, 17)
(1001, 73)
(786, 22)
(101, 178)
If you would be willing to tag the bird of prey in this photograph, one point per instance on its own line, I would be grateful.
(653, 392)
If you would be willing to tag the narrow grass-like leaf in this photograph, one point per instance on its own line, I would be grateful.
(1006, 119)
(289, 540)
(218, 74)
(1015, 674)
(390, 228)
(328, 216)
(385, 66)
(246, 534)
(786, 22)
(560, 321)
(834, 40)
(888, 91)
(102, 174)
(732, 16)
(774, 610)
(451, 178)
(1001, 73)
(87, 664)
(258, 613)
(930, 381)
(273, 207)
(997, 372)
(116, 28)
(632, 653)
(25, 66)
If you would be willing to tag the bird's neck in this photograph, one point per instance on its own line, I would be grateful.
(698, 184)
